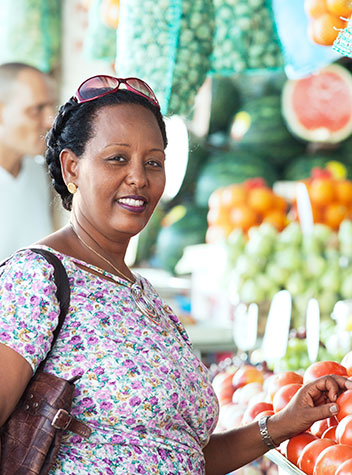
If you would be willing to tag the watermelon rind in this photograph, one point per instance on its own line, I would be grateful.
(321, 134)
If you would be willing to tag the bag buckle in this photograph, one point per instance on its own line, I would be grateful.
(62, 419)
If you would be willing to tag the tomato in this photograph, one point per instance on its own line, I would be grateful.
(344, 401)
(331, 458)
(247, 374)
(310, 453)
(282, 379)
(323, 368)
(344, 431)
(345, 468)
(319, 427)
(296, 444)
(330, 433)
(284, 395)
(264, 413)
(252, 411)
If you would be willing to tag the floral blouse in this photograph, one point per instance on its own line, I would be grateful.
(142, 389)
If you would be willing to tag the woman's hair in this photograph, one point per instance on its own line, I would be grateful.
(74, 127)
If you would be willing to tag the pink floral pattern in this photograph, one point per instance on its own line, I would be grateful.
(142, 389)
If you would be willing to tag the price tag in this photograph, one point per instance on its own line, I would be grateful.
(245, 326)
(313, 329)
(304, 208)
(277, 326)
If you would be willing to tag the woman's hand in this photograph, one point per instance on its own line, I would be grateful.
(313, 402)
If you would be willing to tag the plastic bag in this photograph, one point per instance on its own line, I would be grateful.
(244, 37)
(30, 32)
(302, 56)
(167, 44)
(100, 41)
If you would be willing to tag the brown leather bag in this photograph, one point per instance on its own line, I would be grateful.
(31, 437)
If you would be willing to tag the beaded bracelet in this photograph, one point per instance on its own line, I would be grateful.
(268, 441)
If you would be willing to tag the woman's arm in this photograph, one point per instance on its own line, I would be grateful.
(15, 373)
(230, 450)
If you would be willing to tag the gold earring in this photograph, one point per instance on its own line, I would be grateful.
(72, 188)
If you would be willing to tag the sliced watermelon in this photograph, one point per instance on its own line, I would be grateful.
(318, 108)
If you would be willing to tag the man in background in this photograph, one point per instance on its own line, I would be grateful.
(26, 113)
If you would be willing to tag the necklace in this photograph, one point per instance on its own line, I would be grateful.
(121, 274)
(145, 305)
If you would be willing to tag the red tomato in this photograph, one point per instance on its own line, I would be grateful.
(345, 468)
(344, 402)
(296, 444)
(252, 411)
(323, 368)
(247, 374)
(331, 458)
(264, 413)
(310, 453)
(284, 395)
(344, 431)
(319, 427)
(330, 433)
(282, 379)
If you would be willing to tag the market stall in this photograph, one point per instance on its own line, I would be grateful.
(252, 245)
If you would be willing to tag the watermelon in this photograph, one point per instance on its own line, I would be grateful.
(184, 225)
(259, 125)
(233, 166)
(302, 166)
(318, 108)
(225, 100)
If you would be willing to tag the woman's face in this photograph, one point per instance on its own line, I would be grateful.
(121, 175)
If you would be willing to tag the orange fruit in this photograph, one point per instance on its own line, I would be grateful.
(218, 216)
(243, 217)
(340, 7)
(318, 216)
(261, 199)
(280, 203)
(215, 198)
(334, 214)
(344, 191)
(277, 219)
(315, 8)
(324, 29)
(321, 191)
(233, 195)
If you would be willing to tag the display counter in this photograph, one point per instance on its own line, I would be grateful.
(285, 466)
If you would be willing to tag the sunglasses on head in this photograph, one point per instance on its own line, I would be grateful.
(98, 86)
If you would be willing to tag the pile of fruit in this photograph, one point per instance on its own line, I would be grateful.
(325, 19)
(248, 392)
(330, 197)
(242, 206)
(315, 265)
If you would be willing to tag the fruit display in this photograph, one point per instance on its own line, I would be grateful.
(233, 166)
(183, 225)
(315, 265)
(325, 19)
(330, 197)
(317, 108)
(247, 392)
(171, 44)
(242, 206)
(303, 165)
(259, 125)
(244, 37)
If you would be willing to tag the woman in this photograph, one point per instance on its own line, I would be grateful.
(142, 390)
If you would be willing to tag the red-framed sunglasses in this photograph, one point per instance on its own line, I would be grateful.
(100, 85)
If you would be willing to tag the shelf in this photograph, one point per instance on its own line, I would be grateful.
(283, 463)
